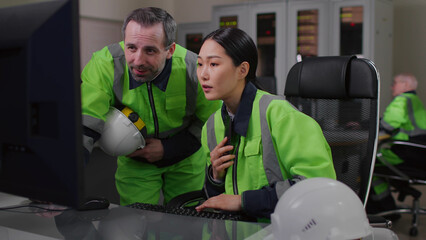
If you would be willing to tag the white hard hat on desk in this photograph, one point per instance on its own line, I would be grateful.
(321, 209)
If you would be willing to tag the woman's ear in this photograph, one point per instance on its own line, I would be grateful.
(244, 69)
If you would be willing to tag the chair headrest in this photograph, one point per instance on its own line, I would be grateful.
(333, 77)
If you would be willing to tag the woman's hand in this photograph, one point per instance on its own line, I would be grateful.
(220, 159)
(223, 202)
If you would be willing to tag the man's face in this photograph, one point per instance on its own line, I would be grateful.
(398, 86)
(145, 51)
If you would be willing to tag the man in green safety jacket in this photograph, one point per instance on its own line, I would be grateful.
(156, 78)
(403, 119)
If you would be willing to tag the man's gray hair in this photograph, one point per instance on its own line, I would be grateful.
(150, 16)
(408, 78)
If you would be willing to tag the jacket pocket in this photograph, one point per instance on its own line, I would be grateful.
(252, 147)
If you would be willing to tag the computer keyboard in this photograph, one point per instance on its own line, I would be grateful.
(191, 212)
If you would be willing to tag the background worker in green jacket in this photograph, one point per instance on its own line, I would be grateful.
(156, 78)
(403, 119)
(257, 145)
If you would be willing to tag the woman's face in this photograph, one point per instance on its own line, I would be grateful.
(217, 74)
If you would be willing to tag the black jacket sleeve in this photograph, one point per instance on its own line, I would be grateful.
(177, 148)
(260, 203)
(211, 187)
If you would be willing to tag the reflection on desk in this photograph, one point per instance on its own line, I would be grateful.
(119, 222)
(377, 234)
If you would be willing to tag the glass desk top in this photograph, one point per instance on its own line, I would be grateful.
(117, 222)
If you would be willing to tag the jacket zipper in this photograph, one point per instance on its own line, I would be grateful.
(234, 169)
(154, 113)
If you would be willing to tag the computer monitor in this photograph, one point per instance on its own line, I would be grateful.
(41, 153)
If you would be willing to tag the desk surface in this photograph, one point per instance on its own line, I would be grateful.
(117, 222)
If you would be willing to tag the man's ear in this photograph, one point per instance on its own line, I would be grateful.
(244, 69)
(171, 50)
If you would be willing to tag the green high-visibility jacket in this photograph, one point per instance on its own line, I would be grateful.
(404, 117)
(280, 143)
(182, 105)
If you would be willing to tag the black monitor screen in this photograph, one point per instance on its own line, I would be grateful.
(41, 137)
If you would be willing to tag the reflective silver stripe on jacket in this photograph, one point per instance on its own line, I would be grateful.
(411, 133)
(191, 89)
(117, 54)
(211, 134)
(190, 120)
(416, 131)
(270, 160)
(386, 126)
(93, 123)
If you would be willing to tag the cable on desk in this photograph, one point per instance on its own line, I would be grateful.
(32, 206)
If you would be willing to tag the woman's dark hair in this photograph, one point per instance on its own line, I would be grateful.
(239, 46)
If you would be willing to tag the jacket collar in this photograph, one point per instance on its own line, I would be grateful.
(160, 81)
(412, 91)
(242, 117)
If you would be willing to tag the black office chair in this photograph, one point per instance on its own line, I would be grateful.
(404, 177)
(341, 94)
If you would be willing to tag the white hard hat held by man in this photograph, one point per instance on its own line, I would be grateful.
(124, 132)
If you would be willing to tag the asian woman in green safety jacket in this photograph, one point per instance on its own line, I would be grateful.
(257, 145)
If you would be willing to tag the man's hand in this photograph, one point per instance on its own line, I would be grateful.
(223, 202)
(152, 152)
